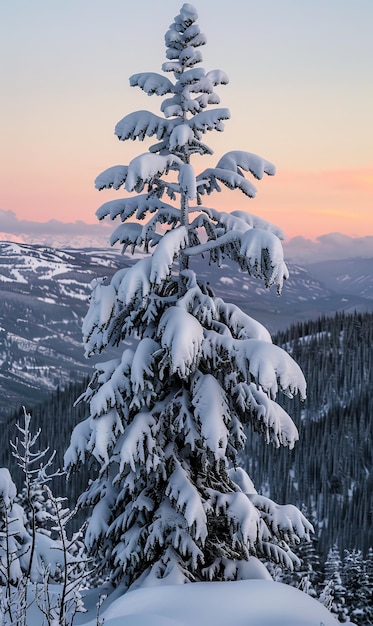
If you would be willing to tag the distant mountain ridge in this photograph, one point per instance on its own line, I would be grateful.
(45, 291)
(353, 276)
(78, 235)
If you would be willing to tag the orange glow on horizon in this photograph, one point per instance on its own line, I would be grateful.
(307, 203)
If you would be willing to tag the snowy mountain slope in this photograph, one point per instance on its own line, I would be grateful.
(304, 296)
(55, 274)
(352, 276)
(44, 296)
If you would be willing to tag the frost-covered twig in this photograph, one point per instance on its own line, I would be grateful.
(32, 526)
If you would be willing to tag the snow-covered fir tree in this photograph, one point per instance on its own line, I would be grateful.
(15, 541)
(358, 587)
(169, 416)
(333, 592)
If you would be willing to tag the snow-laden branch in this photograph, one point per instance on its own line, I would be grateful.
(147, 167)
(187, 499)
(209, 120)
(105, 430)
(241, 220)
(141, 124)
(181, 337)
(270, 366)
(77, 451)
(261, 254)
(241, 325)
(172, 107)
(97, 319)
(115, 388)
(165, 253)
(285, 520)
(229, 221)
(181, 136)
(258, 222)
(206, 181)
(257, 251)
(98, 523)
(134, 235)
(152, 83)
(128, 287)
(207, 308)
(212, 411)
(267, 416)
(143, 372)
(247, 161)
(200, 305)
(134, 282)
(138, 442)
(169, 531)
(228, 171)
(217, 77)
(165, 215)
(130, 235)
(242, 480)
(114, 177)
(127, 207)
(240, 513)
(211, 244)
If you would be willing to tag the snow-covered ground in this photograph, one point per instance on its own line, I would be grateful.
(241, 603)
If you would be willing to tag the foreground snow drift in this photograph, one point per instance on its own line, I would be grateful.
(241, 603)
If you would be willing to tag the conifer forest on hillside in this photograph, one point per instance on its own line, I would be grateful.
(329, 472)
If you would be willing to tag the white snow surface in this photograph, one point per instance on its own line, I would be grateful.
(239, 603)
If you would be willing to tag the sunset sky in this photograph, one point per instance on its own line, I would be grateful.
(300, 94)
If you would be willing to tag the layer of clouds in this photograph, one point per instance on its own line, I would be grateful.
(11, 224)
(329, 247)
(53, 232)
(79, 234)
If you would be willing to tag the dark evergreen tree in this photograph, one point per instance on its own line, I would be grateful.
(358, 596)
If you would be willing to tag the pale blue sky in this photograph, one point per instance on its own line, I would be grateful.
(300, 94)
